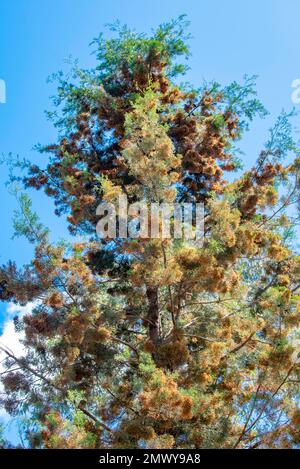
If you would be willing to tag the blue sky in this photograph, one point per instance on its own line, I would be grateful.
(229, 39)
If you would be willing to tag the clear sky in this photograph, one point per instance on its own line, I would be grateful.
(230, 38)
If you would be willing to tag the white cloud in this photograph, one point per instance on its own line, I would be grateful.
(11, 339)
(15, 309)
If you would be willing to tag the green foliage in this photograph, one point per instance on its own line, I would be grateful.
(25, 221)
(242, 100)
(146, 364)
(282, 141)
(128, 47)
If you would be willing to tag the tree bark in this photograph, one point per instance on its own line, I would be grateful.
(153, 314)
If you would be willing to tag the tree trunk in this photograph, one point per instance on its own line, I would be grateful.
(153, 314)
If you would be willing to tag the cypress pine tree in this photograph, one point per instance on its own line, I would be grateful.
(152, 342)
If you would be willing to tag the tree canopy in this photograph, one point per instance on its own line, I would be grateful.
(158, 343)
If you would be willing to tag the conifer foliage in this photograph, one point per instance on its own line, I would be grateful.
(158, 343)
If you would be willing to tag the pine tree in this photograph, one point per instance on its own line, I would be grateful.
(159, 343)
